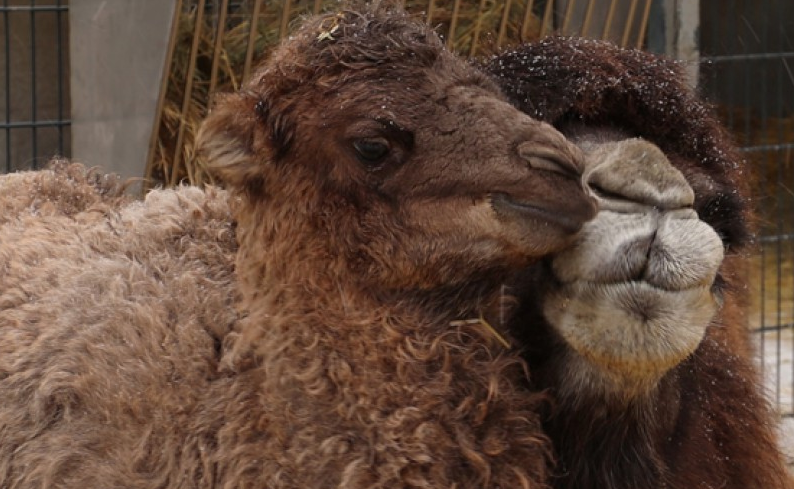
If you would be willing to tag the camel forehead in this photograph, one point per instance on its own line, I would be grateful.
(332, 51)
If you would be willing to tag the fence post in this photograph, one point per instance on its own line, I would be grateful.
(118, 50)
(677, 33)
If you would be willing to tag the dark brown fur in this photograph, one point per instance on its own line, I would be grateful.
(708, 424)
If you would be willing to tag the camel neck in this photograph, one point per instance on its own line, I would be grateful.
(289, 265)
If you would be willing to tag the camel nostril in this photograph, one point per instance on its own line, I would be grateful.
(632, 172)
(602, 193)
(541, 163)
(548, 159)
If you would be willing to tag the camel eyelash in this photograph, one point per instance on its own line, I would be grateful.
(397, 133)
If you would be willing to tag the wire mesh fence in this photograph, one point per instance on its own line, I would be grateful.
(748, 70)
(34, 73)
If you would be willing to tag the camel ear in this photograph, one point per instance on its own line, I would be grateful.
(239, 137)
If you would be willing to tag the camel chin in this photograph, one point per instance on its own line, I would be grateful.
(634, 301)
(635, 293)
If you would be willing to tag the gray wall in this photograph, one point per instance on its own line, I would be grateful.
(118, 50)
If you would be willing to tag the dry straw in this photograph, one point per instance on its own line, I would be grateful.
(215, 44)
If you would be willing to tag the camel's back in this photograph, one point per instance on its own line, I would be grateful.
(111, 318)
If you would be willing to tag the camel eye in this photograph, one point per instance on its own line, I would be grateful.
(371, 151)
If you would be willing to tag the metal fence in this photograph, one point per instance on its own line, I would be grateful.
(34, 70)
(748, 71)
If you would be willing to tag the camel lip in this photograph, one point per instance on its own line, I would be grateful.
(508, 207)
(640, 284)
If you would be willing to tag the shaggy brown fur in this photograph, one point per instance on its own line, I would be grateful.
(383, 189)
(110, 324)
(707, 425)
(64, 188)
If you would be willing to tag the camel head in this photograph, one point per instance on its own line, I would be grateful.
(634, 295)
(364, 143)
(642, 286)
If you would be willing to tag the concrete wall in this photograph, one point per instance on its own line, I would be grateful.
(683, 43)
(118, 50)
(674, 30)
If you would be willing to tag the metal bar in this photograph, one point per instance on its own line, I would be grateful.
(776, 237)
(180, 135)
(431, 7)
(767, 147)
(453, 23)
(762, 79)
(608, 23)
(34, 124)
(588, 16)
(59, 33)
(624, 41)
(546, 17)
(169, 56)
(747, 129)
(527, 18)
(732, 47)
(769, 329)
(216, 51)
(780, 198)
(790, 290)
(33, 8)
(34, 144)
(568, 14)
(249, 52)
(779, 274)
(643, 24)
(285, 16)
(748, 57)
(6, 27)
(475, 38)
(503, 24)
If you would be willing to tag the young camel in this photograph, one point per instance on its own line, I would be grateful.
(639, 331)
(382, 190)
